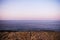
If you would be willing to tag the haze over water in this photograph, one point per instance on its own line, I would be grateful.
(26, 25)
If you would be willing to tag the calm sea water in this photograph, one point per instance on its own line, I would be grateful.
(26, 25)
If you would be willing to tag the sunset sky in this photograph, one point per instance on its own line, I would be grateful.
(29, 9)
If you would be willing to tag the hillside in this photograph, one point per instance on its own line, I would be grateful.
(30, 35)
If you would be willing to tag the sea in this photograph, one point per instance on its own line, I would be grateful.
(30, 25)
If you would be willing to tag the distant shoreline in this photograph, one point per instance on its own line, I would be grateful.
(27, 31)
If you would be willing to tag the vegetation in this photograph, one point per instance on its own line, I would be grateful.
(30, 35)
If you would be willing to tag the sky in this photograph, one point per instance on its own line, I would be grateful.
(29, 10)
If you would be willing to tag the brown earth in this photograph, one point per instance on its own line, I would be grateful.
(30, 35)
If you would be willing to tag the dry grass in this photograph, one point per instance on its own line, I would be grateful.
(45, 36)
(30, 35)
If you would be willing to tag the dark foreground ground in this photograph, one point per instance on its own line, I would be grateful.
(33, 35)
